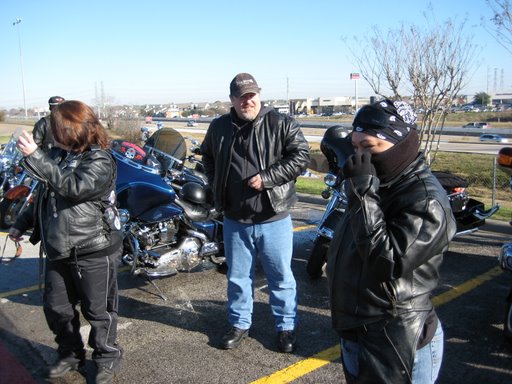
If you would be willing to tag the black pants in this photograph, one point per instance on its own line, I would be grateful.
(92, 282)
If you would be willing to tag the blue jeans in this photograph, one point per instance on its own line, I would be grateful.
(427, 360)
(272, 243)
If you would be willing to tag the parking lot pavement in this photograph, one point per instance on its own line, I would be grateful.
(177, 340)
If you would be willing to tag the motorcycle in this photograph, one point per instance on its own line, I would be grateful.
(165, 207)
(16, 186)
(336, 146)
(505, 257)
(10, 158)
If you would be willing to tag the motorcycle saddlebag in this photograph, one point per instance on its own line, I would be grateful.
(466, 220)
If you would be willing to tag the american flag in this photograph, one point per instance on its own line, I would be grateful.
(354, 76)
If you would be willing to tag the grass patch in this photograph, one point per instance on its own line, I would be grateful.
(310, 185)
(478, 169)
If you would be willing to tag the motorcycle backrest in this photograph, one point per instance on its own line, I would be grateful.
(449, 181)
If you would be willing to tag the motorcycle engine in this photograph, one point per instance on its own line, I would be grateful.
(160, 233)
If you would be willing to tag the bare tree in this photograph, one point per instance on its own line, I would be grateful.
(429, 65)
(501, 27)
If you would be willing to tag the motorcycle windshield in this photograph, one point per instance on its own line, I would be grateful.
(10, 151)
(169, 141)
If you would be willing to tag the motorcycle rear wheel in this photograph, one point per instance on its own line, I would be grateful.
(508, 322)
(318, 257)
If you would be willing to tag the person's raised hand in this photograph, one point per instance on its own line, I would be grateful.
(26, 144)
(359, 164)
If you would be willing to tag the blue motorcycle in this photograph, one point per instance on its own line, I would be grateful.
(165, 207)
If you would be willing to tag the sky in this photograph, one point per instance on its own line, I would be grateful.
(160, 51)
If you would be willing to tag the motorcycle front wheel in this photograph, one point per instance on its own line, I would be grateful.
(9, 210)
(318, 257)
(508, 322)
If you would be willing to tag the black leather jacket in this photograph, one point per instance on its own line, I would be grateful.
(384, 260)
(73, 192)
(43, 135)
(283, 155)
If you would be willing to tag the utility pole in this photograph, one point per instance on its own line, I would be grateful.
(288, 96)
(287, 90)
(17, 23)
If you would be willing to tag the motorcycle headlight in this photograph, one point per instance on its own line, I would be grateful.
(5, 164)
(330, 179)
(124, 216)
(505, 258)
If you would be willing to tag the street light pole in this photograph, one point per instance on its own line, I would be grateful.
(17, 23)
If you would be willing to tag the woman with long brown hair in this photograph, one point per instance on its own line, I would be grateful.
(75, 219)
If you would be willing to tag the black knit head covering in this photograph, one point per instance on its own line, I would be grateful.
(387, 120)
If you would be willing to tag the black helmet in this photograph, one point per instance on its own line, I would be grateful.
(336, 132)
(55, 100)
(193, 192)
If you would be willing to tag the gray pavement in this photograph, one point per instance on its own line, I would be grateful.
(177, 340)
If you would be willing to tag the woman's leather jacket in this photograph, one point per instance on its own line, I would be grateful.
(73, 193)
(283, 155)
(383, 262)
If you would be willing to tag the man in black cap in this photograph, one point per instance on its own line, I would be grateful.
(252, 157)
(42, 131)
(384, 259)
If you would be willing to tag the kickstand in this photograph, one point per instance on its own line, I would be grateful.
(160, 293)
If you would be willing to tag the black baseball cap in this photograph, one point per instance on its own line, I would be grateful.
(242, 84)
(55, 100)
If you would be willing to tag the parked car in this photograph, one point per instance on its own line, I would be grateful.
(476, 125)
(192, 123)
(493, 137)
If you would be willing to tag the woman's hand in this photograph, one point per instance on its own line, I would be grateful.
(15, 234)
(26, 144)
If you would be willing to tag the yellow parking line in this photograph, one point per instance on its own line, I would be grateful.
(303, 228)
(20, 291)
(328, 355)
(33, 288)
(301, 368)
(465, 287)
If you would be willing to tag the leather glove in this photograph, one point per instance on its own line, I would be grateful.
(359, 164)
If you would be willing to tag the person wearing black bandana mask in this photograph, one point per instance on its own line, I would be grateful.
(384, 260)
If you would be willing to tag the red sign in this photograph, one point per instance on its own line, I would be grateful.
(354, 76)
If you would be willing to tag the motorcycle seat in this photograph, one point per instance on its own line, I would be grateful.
(196, 212)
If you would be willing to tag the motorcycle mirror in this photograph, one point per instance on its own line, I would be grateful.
(17, 133)
(505, 160)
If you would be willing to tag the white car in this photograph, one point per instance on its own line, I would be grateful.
(476, 125)
(493, 137)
